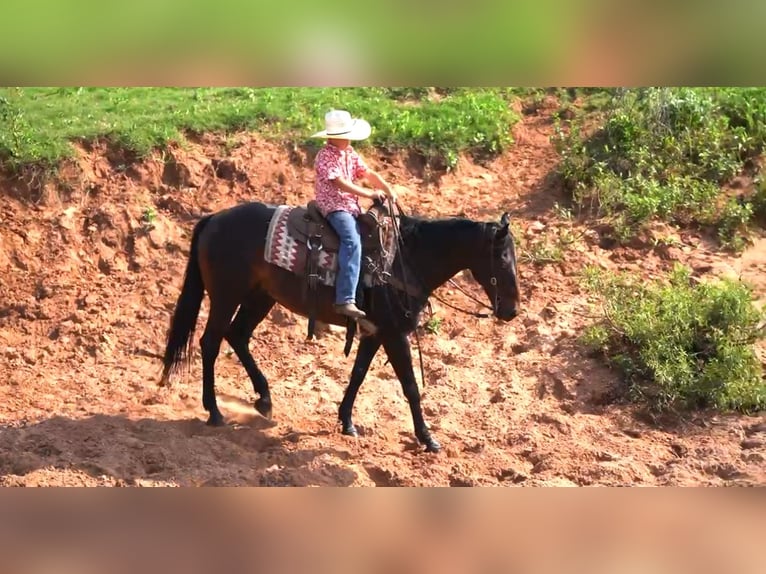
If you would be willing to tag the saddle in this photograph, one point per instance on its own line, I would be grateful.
(307, 223)
(309, 227)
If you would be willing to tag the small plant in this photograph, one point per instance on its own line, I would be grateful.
(433, 325)
(561, 212)
(679, 344)
(149, 215)
(541, 252)
(547, 249)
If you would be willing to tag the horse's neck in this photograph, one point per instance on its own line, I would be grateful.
(443, 249)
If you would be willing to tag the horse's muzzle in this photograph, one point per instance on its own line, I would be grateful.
(507, 314)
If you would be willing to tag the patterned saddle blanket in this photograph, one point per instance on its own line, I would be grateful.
(296, 234)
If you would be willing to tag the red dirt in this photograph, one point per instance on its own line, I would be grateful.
(87, 289)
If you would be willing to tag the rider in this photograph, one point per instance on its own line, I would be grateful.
(338, 166)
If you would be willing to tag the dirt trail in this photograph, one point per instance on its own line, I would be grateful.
(90, 275)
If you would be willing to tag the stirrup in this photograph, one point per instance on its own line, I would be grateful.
(349, 310)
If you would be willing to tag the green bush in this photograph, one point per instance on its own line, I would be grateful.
(680, 344)
(663, 153)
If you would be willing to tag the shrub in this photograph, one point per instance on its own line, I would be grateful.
(680, 344)
(664, 153)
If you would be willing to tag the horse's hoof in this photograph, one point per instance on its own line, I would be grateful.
(263, 407)
(350, 430)
(216, 420)
(432, 445)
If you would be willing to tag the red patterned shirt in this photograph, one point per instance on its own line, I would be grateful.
(331, 163)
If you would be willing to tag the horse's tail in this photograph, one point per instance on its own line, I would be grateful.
(180, 336)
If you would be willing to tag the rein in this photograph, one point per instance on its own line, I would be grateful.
(408, 311)
(493, 279)
(471, 297)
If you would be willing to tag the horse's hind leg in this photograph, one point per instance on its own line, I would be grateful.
(217, 324)
(250, 314)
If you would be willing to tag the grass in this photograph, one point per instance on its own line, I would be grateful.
(680, 344)
(37, 125)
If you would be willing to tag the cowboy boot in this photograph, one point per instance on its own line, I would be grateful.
(350, 310)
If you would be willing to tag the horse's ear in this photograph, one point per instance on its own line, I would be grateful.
(505, 222)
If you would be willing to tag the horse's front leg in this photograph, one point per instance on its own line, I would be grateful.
(368, 346)
(398, 350)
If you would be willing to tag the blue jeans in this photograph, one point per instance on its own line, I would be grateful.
(349, 255)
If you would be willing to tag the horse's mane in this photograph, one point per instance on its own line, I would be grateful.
(414, 228)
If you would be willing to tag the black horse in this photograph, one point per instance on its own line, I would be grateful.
(226, 259)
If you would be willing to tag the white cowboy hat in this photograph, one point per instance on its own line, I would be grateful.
(340, 125)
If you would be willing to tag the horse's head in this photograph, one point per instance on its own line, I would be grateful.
(495, 269)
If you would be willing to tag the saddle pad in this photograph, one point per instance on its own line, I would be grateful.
(287, 252)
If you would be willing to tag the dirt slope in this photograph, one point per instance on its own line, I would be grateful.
(88, 285)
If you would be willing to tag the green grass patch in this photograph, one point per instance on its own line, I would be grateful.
(678, 344)
(663, 153)
(433, 325)
(37, 125)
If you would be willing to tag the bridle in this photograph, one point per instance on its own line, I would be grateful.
(492, 281)
(495, 297)
(392, 208)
